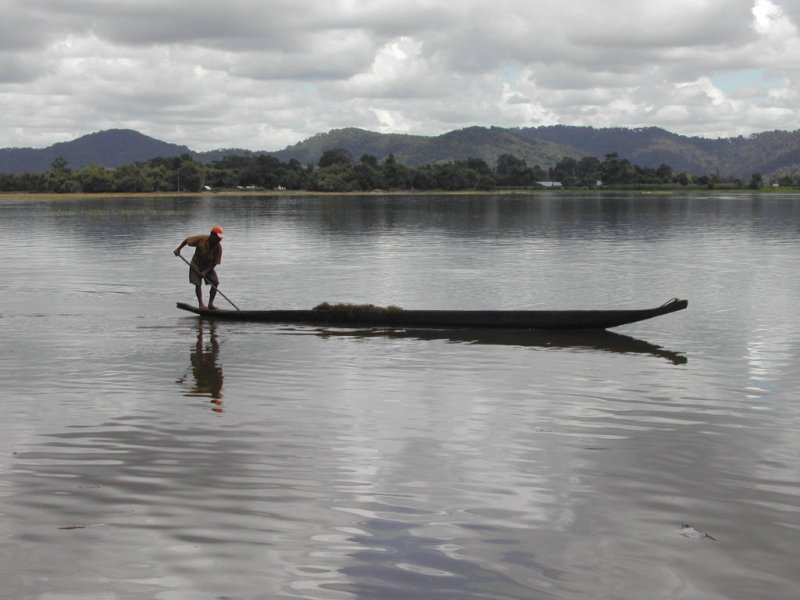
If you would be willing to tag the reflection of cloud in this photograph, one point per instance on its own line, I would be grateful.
(770, 356)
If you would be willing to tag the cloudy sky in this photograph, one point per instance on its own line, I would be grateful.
(262, 74)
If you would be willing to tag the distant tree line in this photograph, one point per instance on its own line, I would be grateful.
(337, 171)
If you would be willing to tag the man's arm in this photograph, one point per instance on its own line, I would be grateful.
(179, 248)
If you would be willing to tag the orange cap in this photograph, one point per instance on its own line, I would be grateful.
(218, 231)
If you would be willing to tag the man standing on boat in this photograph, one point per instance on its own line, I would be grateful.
(207, 255)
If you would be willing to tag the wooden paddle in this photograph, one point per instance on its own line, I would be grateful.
(191, 266)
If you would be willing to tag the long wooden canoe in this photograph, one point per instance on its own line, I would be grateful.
(486, 319)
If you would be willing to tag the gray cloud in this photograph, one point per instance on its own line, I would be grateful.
(650, 25)
(18, 69)
(792, 10)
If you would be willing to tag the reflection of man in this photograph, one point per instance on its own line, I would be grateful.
(207, 255)
(206, 370)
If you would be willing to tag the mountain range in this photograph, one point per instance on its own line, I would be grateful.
(773, 154)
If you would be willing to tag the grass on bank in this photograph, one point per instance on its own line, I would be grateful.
(633, 191)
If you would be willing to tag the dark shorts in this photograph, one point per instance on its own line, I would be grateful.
(195, 279)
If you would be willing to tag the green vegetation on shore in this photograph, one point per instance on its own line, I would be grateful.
(337, 171)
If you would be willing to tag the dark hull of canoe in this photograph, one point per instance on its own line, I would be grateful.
(486, 319)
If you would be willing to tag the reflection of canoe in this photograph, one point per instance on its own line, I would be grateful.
(465, 319)
(591, 339)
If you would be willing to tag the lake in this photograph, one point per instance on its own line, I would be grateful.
(146, 453)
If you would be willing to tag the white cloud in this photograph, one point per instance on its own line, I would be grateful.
(264, 74)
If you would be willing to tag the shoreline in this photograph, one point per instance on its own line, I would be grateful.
(5, 196)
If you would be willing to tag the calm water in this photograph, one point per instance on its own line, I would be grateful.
(147, 454)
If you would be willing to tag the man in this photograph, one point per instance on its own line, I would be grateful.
(207, 255)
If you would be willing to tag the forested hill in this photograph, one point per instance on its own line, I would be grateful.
(415, 150)
(772, 154)
(111, 148)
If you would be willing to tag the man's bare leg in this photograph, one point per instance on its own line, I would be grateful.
(198, 290)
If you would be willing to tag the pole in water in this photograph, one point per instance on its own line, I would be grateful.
(191, 266)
